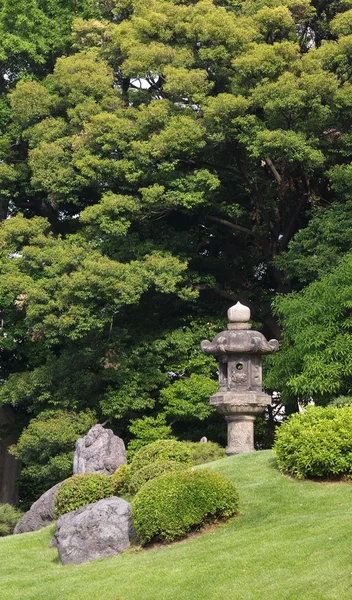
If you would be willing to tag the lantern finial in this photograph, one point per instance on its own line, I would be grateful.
(239, 316)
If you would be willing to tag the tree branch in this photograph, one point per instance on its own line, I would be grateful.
(234, 226)
(273, 169)
(292, 225)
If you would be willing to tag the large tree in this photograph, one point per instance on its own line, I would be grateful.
(162, 168)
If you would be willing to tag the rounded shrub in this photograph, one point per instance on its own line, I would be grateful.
(9, 516)
(204, 452)
(151, 471)
(122, 477)
(317, 443)
(170, 506)
(82, 489)
(162, 450)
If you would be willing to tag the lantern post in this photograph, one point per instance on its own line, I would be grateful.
(240, 397)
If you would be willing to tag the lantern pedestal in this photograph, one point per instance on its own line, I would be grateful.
(240, 397)
(240, 411)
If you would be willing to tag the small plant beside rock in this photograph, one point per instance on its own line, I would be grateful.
(122, 478)
(82, 489)
(170, 506)
(317, 443)
(9, 516)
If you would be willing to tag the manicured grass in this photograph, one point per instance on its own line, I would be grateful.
(292, 540)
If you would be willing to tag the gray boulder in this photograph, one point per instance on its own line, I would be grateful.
(40, 514)
(100, 451)
(94, 531)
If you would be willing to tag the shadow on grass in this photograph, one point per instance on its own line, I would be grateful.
(56, 560)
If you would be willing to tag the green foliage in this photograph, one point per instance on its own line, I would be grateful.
(204, 452)
(33, 33)
(315, 357)
(82, 489)
(341, 401)
(147, 431)
(240, 555)
(317, 443)
(122, 477)
(46, 449)
(154, 469)
(160, 451)
(9, 516)
(162, 152)
(317, 248)
(185, 398)
(153, 459)
(172, 505)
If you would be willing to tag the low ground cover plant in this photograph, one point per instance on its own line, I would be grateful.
(317, 443)
(170, 506)
(9, 516)
(82, 489)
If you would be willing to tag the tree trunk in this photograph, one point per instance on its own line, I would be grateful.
(10, 467)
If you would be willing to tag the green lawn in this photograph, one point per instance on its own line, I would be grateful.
(291, 540)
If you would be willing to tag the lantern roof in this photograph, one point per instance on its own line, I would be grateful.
(239, 338)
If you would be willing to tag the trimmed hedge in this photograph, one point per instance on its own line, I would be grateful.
(82, 489)
(204, 452)
(162, 450)
(170, 506)
(9, 516)
(317, 443)
(151, 471)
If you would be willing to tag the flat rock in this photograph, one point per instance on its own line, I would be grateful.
(94, 531)
(100, 451)
(40, 514)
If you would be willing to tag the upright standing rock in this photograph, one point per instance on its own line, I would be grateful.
(100, 451)
(240, 397)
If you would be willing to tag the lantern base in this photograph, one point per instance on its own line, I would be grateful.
(240, 434)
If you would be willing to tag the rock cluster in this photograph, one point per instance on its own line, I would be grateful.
(100, 451)
(96, 530)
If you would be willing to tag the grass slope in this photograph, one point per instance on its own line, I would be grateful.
(292, 540)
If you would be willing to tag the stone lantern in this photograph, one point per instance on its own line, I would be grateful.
(240, 397)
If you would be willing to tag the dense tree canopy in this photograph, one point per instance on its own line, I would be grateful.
(161, 161)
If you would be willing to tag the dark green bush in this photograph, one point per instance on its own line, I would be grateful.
(151, 471)
(162, 450)
(9, 516)
(204, 452)
(317, 443)
(82, 489)
(170, 506)
(46, 448)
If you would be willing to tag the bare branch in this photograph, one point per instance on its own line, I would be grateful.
(234, 226)
(273, 169)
